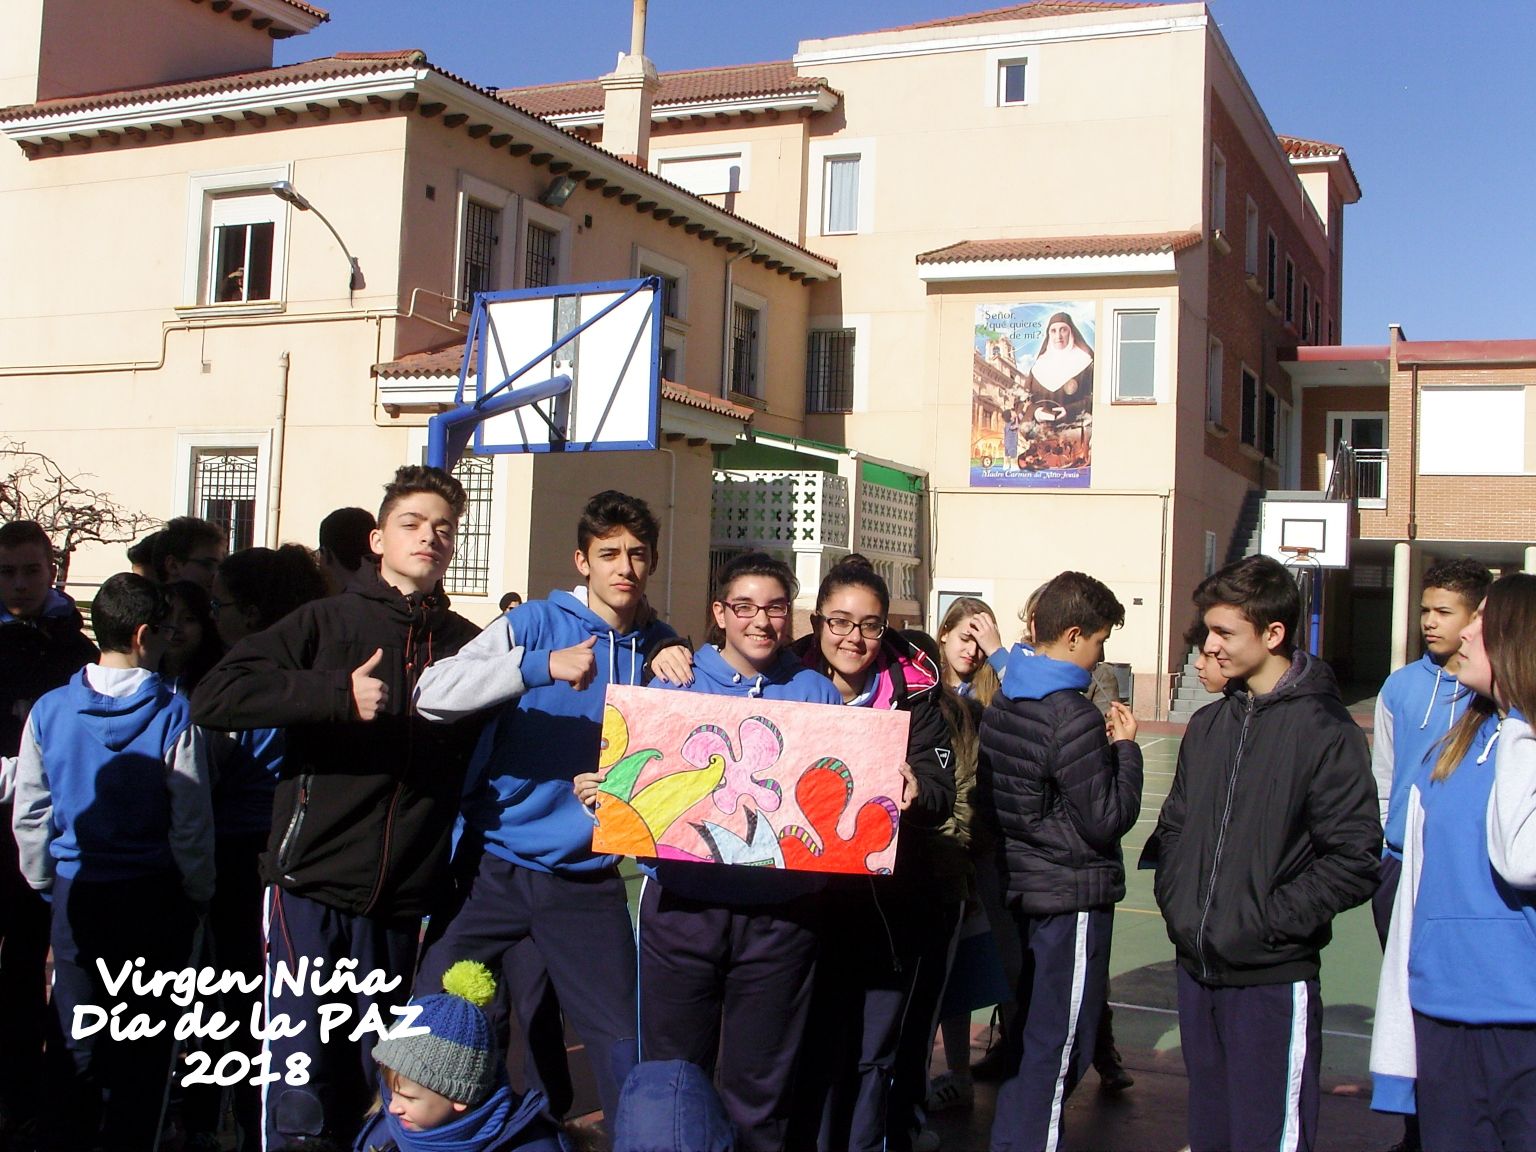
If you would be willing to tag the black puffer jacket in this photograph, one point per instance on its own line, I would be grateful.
(364, 811)
(37, 655)
(1272, 828)
(1059, 791)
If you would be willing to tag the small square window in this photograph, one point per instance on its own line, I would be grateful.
(1011, 82)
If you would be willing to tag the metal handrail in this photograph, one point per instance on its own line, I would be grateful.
(1341, 482)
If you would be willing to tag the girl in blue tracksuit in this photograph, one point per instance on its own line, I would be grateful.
(1456, 997)
(729, 952)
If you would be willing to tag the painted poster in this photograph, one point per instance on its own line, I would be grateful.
(765, 783)
(1032, 395)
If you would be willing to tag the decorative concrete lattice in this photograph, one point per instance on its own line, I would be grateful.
(778, 510)
(888, 535)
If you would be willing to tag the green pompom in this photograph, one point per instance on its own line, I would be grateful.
(470, 980)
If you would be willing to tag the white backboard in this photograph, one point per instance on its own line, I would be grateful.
(1321, 527)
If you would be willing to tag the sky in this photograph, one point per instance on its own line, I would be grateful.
(1433, 100)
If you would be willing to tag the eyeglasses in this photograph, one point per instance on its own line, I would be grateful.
(842, 626)
(746, 610)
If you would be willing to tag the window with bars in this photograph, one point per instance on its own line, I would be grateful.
(829, 370)
(543, 257)
(470, 572)
(746, 323)
(224, 492)
(478, 272)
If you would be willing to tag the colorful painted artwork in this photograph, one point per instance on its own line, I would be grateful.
(758, 783)
(1032, 395)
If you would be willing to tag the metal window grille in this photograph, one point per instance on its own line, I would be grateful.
(829, 370)
(470, 572)
(744, 334)
(479, 249)
(669, 297)
(543, 250)
(224, 492)
(242, 262)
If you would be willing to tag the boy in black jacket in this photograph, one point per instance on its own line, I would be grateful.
(369, 793)
(1063, 784)
(1270, 830)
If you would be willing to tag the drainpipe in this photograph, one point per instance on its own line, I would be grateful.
(275, 468)
(1164, 704)
(725, 327)
(671, 526)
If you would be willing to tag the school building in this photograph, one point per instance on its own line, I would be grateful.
(984, 298)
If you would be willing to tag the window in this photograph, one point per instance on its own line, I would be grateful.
(242, 227)
(1306, 312)
(829, 370)
(671, 292)
(1271, 423)
(746, 329)
(1135, 355)
(541, 260)
(1251, 238)
(1498, 446)
(1249, 431)
(1012, 82)
(1317, 319)
(705, 171)
(1272, 269)
(840, 195)
(1290, 291)
(1213, 382)
(224, 490)
(1218, 191)
(674, 307)
(470, 572)
(478, 272)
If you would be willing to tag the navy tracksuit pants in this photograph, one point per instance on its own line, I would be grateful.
(328, 1083)
(580, 925)
(1060, 997)
(728, 987)
(23, 982)
(1477, 1085)
(1253, 1055)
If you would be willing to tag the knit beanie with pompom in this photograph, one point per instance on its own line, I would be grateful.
(456, 1058)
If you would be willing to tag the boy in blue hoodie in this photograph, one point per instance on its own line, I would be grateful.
(544, 667)
(113, 820)
(1063, 783)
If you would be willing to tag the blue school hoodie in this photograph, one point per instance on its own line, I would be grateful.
(1418, 705)
(789, 679)
(523, 803)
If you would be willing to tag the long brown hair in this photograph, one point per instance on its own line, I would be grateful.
(1509, 637)
(984, 682)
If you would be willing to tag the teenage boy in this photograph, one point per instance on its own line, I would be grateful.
(113, 820)
(189, 549)
(537, 877)
(367, 799)
(42, 644)
(1063, 782)
(344, 537)
(1271, 829)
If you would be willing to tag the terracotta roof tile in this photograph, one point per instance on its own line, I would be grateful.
(1035, 10)
(1301, 149)
(1058, 247)
(699, 85)
(319, 15)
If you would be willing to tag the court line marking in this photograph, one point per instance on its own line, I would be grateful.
(1175, 1012)
(1154, 742)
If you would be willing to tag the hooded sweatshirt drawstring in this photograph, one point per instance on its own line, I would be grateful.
(1433, 694)
(1492, 740)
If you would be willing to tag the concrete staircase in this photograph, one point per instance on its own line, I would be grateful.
(1245, 536)
(1189, 696)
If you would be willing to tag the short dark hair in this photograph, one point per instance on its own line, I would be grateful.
(754, 564)
(142, 554)
(854, 571)
(413, 478)
(1195, 634)
(510, 600)
(1261, 588)
(344, 535)
(1075, 600)
(179, 537)
(272, 582)
(20, 533)
(611, 510)
(1465, 577)
(124, 604)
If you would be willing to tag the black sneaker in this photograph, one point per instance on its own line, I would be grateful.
(1112, 1074)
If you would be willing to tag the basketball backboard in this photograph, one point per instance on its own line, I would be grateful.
(605, 338)
(1314, 533)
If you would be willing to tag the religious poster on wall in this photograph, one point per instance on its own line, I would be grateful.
(1032, 395)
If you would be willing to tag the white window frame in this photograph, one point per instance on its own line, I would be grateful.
(820, 152)
(1109, 350)
(202, 189)
(948, 589)
(1000, 58)
(1218, 191)
(190, 444)
(1214, 353)
(1251, 238)
(674, 329)
(725, 149)
(749, 299)
(505, 204)
(557, 222)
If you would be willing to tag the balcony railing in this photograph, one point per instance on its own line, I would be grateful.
(1371, 477)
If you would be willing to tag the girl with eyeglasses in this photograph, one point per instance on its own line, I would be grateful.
(876, 926)
(726, 954)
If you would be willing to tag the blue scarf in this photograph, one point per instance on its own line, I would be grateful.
(490, 1125)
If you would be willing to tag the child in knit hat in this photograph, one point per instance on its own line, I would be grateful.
(446, 1089)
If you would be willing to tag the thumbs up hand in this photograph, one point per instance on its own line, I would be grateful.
(370, 695)
(576, 665)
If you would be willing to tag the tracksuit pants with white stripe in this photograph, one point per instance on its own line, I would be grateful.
(1253, 1055)
(1060, 995)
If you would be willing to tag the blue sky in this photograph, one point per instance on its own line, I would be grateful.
(1433, 101)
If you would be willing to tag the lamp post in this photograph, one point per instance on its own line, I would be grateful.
(286, 192)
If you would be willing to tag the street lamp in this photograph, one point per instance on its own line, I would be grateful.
(286, 192)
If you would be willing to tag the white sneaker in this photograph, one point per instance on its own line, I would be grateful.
(925, 1140)
(951, 1090)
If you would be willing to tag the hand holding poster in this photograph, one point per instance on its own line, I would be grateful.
(766, 783)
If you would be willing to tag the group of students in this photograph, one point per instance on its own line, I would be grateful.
(388, 762)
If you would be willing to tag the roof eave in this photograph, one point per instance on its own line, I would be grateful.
(1049, 267)
(1340, 170)
(809, 102)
